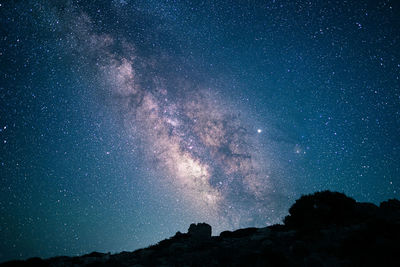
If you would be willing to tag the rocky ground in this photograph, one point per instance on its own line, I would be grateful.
(322, 229)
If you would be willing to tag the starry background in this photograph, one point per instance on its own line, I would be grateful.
(122, 122)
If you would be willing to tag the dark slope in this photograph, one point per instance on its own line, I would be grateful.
(322, 229)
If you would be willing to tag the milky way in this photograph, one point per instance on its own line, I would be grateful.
(189, 135)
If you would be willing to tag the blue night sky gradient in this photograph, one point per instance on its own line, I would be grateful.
(122, 122)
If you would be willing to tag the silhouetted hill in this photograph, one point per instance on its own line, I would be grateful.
(322, 229)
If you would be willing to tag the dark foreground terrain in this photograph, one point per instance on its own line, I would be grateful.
(322, 229)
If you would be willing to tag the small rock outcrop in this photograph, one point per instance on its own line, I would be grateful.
(200, 231)
(322, 229)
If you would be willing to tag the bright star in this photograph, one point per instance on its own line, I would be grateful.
(259, 130)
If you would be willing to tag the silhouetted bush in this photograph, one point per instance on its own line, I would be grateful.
(321, 209)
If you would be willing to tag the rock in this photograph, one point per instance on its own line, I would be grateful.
(200, 231)
(365, 210)
(299, 249)
(226, 234)
(261, 234)
(177, 247)
(246, 232)
(267, 243)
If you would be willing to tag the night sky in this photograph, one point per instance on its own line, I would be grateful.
(122, 122)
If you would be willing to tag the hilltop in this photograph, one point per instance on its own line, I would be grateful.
(322, 229)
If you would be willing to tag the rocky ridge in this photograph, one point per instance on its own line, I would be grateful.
(322, 229)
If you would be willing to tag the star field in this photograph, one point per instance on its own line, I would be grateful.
(122, 122)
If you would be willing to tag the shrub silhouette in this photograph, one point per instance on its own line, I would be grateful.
(321, 209)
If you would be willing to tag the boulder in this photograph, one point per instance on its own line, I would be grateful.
(200, 231)
(246, 232)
